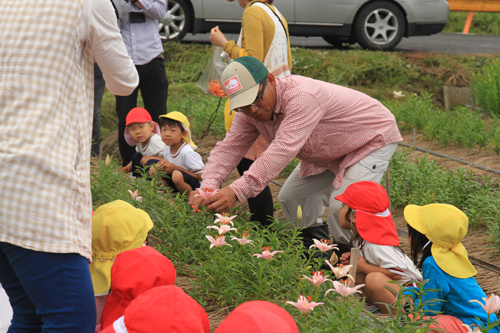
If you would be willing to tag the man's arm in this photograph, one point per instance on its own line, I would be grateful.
(152, 8)
(106, 45)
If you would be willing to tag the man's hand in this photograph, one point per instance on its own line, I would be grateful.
(220, 202)
(217, 38)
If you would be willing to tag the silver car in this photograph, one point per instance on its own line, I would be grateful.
(373, 24)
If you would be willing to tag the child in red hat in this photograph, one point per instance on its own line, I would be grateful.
(258, 317)
(166, 309)
(133, 273)
(365, 211)
(143, 133)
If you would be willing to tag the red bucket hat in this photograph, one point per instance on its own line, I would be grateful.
(258, 317)
(139, 115)
(133, 273)
(373, 218)
(165, 309)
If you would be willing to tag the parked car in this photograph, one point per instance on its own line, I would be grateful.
(373, 24)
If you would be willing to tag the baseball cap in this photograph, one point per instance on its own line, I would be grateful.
(138, 115)
(241, 79)
(373, 217)
(258, 317)
(133, 273)
(165, 309)
(180, 117)
(445, 226)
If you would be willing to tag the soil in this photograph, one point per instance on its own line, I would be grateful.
(477, 241)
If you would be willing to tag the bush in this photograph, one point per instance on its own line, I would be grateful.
(486, 87)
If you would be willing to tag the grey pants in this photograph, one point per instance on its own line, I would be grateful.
(314, 192)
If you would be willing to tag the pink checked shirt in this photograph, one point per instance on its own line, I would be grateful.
(325, 125)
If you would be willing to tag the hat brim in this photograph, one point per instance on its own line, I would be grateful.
(411, 217)
(100, 272)
(245, 98)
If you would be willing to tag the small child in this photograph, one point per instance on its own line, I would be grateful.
(143, 133)
(182, 164)
(116, 227)
(365, 211)
(435, 233)
(133, 273)
(162, 309)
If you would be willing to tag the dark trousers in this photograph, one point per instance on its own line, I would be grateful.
(261, 206)
(136, 163)
(49, 292)
(153, 85)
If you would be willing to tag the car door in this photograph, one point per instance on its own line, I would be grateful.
(325, 12)
(225, 11)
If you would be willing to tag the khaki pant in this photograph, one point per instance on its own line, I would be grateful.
(314, 192)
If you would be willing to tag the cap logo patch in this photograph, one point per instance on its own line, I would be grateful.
(232, 85)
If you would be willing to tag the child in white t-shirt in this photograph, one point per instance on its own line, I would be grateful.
(182, 164)
(365, 211)
(143, 133)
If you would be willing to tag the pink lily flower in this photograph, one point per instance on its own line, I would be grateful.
(317, 278)
(135, 195)
(492, 304)
(304, 304)
(243, 240)
(343, 289)
(222, 229)
(322, 245)
(398, 94)
(266, 253)
(472, 328)
(217, 241)
(340, 271)
(224, 218)
(207, 193)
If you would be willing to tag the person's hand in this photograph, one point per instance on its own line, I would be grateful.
(127, 168)
(144, 160)
(217, 38)
(345, 258)
(154, 169)
(220, 202)
(195, 200)
(168, 167)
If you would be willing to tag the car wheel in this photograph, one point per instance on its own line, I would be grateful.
(176, 22)
(379, 26)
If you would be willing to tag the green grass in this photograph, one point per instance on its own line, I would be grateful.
(482, 23)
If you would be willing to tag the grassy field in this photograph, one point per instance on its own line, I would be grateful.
(482, 23)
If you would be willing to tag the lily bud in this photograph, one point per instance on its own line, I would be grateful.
(299, 213)
(108, 160)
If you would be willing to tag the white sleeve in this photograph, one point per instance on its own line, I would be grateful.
(106, 44)
(193, 161)
(156, 146)
(385, 256)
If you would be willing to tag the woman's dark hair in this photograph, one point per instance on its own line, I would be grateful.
(418, 241)
(170, 122)
(270, 2)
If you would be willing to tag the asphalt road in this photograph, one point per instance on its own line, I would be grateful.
(439, 43)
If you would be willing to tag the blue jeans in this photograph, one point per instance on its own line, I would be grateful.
(49, 292)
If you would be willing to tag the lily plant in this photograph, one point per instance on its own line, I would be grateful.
(135, 195)
(266, 253)
(304, 304)
(217, 241)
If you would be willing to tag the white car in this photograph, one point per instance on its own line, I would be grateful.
(373, 24)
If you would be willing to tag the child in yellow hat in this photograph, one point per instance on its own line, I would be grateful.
(181, 163)
(435, 233)
(116, 227)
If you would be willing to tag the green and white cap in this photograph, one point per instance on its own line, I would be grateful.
(240, 80)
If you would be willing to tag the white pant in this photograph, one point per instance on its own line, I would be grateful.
(312, 193)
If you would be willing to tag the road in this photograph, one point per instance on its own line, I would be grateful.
(439, 43)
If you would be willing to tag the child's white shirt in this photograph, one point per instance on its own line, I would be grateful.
(154, 147)
(185, 158)
(390, 258)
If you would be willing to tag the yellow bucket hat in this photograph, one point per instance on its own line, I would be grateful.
(445, 226)
(116, 227)
(180, 117)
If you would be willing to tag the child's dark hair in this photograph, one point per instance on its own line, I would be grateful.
(417, 242)
(357, 236)
(171, 122)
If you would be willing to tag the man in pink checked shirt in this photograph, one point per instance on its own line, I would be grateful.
(341, 136)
